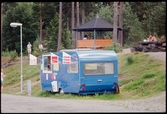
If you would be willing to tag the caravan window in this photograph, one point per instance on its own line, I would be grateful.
(47, 63)
(98, 68)
(73, 68)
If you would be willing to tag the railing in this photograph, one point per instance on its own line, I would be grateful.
(89, 43)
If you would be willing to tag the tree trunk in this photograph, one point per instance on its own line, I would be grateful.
(83, 15)
(77, 4)
(68, 26)
(40, 21)
(115, 21)
(72, 25)
(110, 3)
(60, 27)
(121, 21)
(1, 25)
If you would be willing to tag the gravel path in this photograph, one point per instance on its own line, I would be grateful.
(24, 104)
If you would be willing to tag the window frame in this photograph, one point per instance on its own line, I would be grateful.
(69, 67)
(43, 60)
(96, 70)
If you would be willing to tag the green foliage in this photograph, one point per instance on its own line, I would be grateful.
(150, 75)
(144, 77)
(134, 85)
(130, 60)
(152, 16)
(106, 13)
(115, 46)
(12, 54)
(53, 35)
(44, 94)
(49, 9)
(138, 21)
(5, 53)
(21, 13)
(36, 51)
(66, 39)
(133, 31)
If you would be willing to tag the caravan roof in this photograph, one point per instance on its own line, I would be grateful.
(97, 55)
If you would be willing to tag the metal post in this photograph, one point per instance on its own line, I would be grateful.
(94, 39)
(28, 87)
(21, 77)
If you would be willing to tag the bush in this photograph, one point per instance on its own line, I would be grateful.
(11, 54)
(36, 52)
(130, 60)
(5, 53)
(115, 46)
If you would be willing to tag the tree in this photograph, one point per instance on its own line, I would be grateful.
(115, 22)
(83, 15)
(1, 26)
(72, 24)
(52, 39)
(22, 13)
(60, 27)
(77, 12)
(133, 32)
(40, 21)
(121, 21)
(152, 16)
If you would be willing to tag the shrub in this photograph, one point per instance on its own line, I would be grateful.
(115, 46)
(130, 60)
(13, 55)
(5, 53)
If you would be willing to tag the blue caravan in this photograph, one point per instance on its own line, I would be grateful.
(79, 71)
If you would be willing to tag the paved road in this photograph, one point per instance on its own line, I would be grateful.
(29, 104)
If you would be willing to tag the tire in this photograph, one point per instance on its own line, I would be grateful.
(61, 91)
(117, 91)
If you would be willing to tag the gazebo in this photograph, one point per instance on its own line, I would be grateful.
(95, 25)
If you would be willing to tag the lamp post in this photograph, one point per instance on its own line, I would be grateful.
(21, 77)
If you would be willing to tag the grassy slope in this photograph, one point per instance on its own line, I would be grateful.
(139, 76)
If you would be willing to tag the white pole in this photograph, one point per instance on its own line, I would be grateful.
(21, 77)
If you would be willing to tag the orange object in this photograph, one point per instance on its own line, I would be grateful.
(100, 43)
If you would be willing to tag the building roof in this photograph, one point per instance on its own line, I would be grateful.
(97, 24)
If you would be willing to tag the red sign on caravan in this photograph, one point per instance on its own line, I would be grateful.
(55, 59)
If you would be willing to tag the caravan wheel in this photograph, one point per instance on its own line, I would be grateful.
(117, 91)
(61, 91)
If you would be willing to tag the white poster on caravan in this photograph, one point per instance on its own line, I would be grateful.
(66, 58)
(33, 60)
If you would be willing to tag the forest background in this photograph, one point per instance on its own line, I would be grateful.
(51, 23)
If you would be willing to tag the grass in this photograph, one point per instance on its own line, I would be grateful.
(139, 76)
